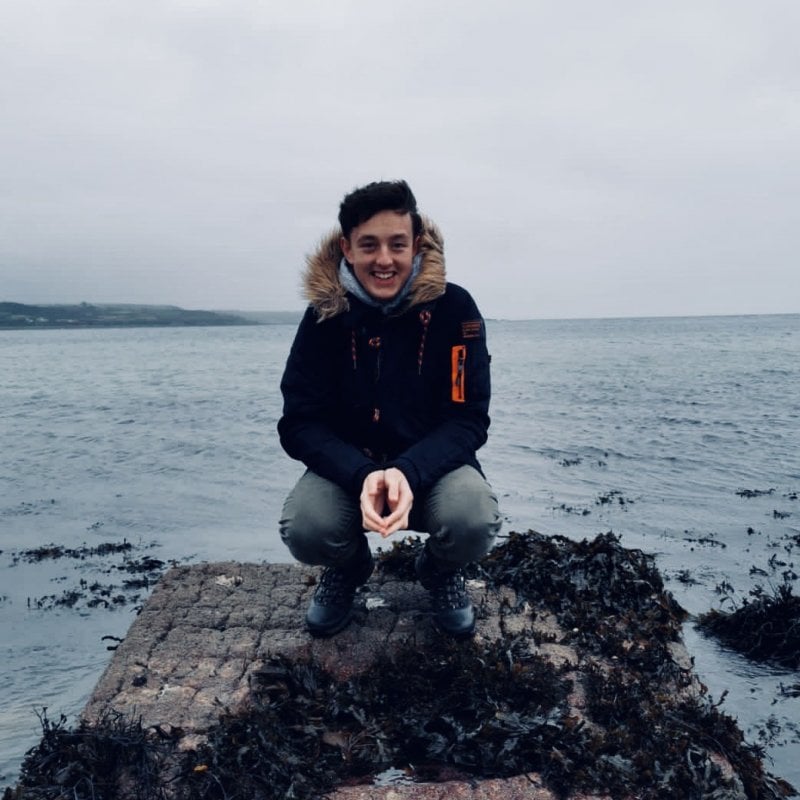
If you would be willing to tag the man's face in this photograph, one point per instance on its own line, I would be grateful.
(381, 251)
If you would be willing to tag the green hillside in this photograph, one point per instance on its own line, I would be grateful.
(86, 315)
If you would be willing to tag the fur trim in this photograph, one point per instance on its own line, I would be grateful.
(323, 289)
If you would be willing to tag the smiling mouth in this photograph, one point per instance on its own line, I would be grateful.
(383, 276)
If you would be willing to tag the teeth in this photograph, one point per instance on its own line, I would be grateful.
(383, 275)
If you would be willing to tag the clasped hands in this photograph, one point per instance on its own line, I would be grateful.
(386, 500)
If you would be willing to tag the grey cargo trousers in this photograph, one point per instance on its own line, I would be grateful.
(321, 523)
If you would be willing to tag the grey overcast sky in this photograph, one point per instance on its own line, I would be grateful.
(583, 158)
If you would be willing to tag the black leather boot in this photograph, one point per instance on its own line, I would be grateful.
(452, 609)
(332, 605)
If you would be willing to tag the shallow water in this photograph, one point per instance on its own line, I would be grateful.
(166, 438)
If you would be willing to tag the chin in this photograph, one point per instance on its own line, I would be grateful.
(383, 293)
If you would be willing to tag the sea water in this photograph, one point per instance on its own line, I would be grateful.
(656, 429)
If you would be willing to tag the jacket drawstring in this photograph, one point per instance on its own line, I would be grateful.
(425, 319)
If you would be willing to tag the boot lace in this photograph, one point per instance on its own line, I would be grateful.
(451, 592)
(335, 587)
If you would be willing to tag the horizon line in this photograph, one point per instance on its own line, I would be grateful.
(492, 318)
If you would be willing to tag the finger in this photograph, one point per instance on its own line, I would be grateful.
(371, 520)
(399, 498)
(399, 525)
(393, 518)
(397, 520)
(372, 509)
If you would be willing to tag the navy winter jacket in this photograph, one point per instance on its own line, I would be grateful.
(365, 391)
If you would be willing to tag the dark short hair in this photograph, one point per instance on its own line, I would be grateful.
(363, 203)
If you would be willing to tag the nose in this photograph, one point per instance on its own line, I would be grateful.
(384, 257)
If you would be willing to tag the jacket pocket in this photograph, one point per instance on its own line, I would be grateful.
(458, 361)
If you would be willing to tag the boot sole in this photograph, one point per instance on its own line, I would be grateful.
(329, 630)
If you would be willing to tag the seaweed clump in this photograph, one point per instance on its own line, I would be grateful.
(654, 747)
(145, 570)
(112, 758)
(765, 628)
(456, 710)
(611, 599)
(54, 551)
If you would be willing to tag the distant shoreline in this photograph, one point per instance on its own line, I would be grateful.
(21, 316)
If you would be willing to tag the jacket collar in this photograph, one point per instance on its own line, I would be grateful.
(323, 288)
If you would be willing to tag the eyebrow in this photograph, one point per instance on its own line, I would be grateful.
(370, 238)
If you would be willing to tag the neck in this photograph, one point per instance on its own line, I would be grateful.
(352, 285)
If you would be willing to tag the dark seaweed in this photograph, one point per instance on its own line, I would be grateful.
(640, 723)
(764, 628)
(706, 540)
(630, 617)
(609, 497)
(53, 551)
(146, 569)
(584, 512)
(471, 711)
(113, 758)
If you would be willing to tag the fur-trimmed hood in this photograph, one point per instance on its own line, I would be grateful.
(324, 290)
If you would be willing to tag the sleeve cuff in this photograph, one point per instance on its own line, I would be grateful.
(360, 476)
(409, 470)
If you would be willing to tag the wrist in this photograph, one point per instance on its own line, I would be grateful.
(408, 471)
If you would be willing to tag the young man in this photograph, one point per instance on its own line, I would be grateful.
(386, 397)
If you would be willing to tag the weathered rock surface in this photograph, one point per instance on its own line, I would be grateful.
(207, 630)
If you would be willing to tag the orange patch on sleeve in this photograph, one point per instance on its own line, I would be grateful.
(458, 363)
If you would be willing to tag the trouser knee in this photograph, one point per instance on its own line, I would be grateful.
(464, 538)
(320, 523)
(464, 518)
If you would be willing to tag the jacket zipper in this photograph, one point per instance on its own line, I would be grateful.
(375, 343)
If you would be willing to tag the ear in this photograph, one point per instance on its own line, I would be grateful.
(415, 246)
(344, 243)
